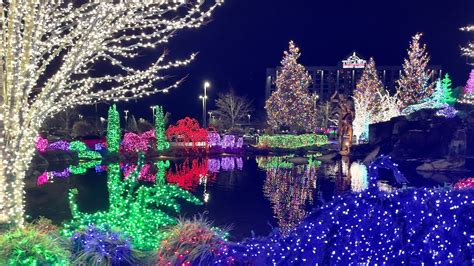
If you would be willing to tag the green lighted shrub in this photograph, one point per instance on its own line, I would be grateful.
(291, 141)
(114, 133)
(33, 245)
(192, 241)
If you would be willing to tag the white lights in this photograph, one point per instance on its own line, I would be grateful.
(50, 54)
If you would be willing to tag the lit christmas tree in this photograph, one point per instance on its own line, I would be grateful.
(468, 96)
(369, 86)
(443, 93)
(114, 134)
(448, 91)
(413, 85)
(367, 102)
(292, 105)
(161, 141)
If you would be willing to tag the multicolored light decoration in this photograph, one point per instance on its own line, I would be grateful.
(83, 151)
(60, 145)
(270, 162)
(160, 132)
(190, 173)
(41, 144)
(228, 143)
(291, 141)
(372, 103)
(101, 246)
(468, 96)
(291, 104)
(465, 183)
(134, 209)
(114, 132)
(407, 226)
(289, 191)
(413, 85)
(188, 132)
(133, 142)
(216, 165)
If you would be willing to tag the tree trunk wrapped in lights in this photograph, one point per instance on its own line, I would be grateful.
(413, 85)
(48, 55)
(291, 105)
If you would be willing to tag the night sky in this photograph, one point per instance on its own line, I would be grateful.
(247, 36)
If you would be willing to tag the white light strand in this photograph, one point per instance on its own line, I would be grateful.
(49, 56)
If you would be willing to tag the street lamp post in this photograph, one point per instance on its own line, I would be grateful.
(126, 115)
(249, 115)
(153, 108)
(204, 106)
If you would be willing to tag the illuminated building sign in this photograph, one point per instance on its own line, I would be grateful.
(353, 61)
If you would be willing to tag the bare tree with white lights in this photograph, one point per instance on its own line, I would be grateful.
(50, 56)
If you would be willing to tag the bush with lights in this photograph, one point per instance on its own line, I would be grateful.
(405, 226)
(96, 246)
(193, 241)
(35, 244)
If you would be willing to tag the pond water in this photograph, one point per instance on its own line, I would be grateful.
(252, 195)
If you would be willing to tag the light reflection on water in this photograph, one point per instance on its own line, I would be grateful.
(248, 193)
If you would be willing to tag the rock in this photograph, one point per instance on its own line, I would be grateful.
(327, 157)
(298, 160)
(443, 165)
(372, 155)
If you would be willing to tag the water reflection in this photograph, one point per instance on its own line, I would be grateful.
(140, 211)
(290, 191)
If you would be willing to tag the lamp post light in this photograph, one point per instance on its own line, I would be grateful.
(249, 115)
(153, 109)
(126, 115)
(204, 106)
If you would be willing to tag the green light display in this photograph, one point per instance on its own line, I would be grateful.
(114, 133)
(292, 141)
(82, 167)
(160, 131)
(139, 211)
(270, 162)
(83, 151)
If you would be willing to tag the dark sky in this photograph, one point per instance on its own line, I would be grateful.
(247, 36)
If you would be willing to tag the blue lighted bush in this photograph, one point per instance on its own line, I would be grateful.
(95, 246)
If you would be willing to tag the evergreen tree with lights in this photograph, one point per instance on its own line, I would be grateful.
(292, 105)
(160, 131)
(114, 133)
(468, 97)
(448, 90)
(443, 93)
(413, 85)
(369, 86)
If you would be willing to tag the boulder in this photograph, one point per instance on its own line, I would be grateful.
(443, 166)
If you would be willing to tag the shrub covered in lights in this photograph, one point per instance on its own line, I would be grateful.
(114, 133)
(33, 245)
(160, 131)
(291, 141)
(96, 246)
(83, 151)
(192, 241)
(406, 226)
